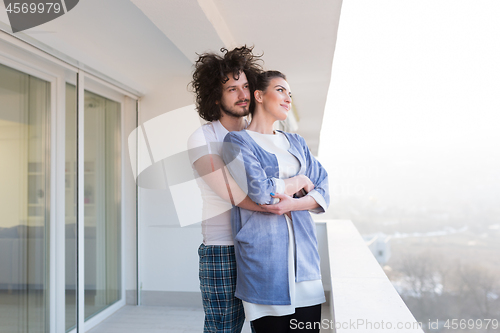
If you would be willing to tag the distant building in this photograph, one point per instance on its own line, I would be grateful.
(380, 247)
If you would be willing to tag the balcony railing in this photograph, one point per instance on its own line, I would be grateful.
(362, 299)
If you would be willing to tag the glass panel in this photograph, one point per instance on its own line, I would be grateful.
(102, 202)
(24, 202)
(70, 209)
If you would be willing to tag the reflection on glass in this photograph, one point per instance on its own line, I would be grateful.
(24, 202)
(70, 209)
(102, 202)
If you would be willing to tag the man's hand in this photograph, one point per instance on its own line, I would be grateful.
(288, 204)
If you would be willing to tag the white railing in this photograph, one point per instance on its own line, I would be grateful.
(362, 299)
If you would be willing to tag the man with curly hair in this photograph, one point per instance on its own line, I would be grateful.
(224, 86)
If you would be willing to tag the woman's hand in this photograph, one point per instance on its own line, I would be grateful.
(285, 205)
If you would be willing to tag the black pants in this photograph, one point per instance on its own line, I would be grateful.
(306, 319)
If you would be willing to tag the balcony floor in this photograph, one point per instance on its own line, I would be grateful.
(155, 319)
(160, 319)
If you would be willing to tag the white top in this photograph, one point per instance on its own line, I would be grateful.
(216, 212)
(306, 293)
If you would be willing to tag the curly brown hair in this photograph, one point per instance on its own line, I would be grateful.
(212, 71)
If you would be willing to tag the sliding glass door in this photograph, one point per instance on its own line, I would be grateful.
(24, 202)
(102, 203)
(60, 196)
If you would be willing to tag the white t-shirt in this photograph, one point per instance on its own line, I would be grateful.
(216, 213)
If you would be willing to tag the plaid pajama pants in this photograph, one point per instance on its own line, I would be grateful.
(223, 312)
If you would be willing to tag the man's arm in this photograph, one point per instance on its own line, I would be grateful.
(214, 172)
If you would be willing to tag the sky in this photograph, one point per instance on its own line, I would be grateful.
(413, 111)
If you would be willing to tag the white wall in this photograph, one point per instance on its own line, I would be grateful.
(169, 259)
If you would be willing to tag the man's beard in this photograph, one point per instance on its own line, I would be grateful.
(232, 113)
